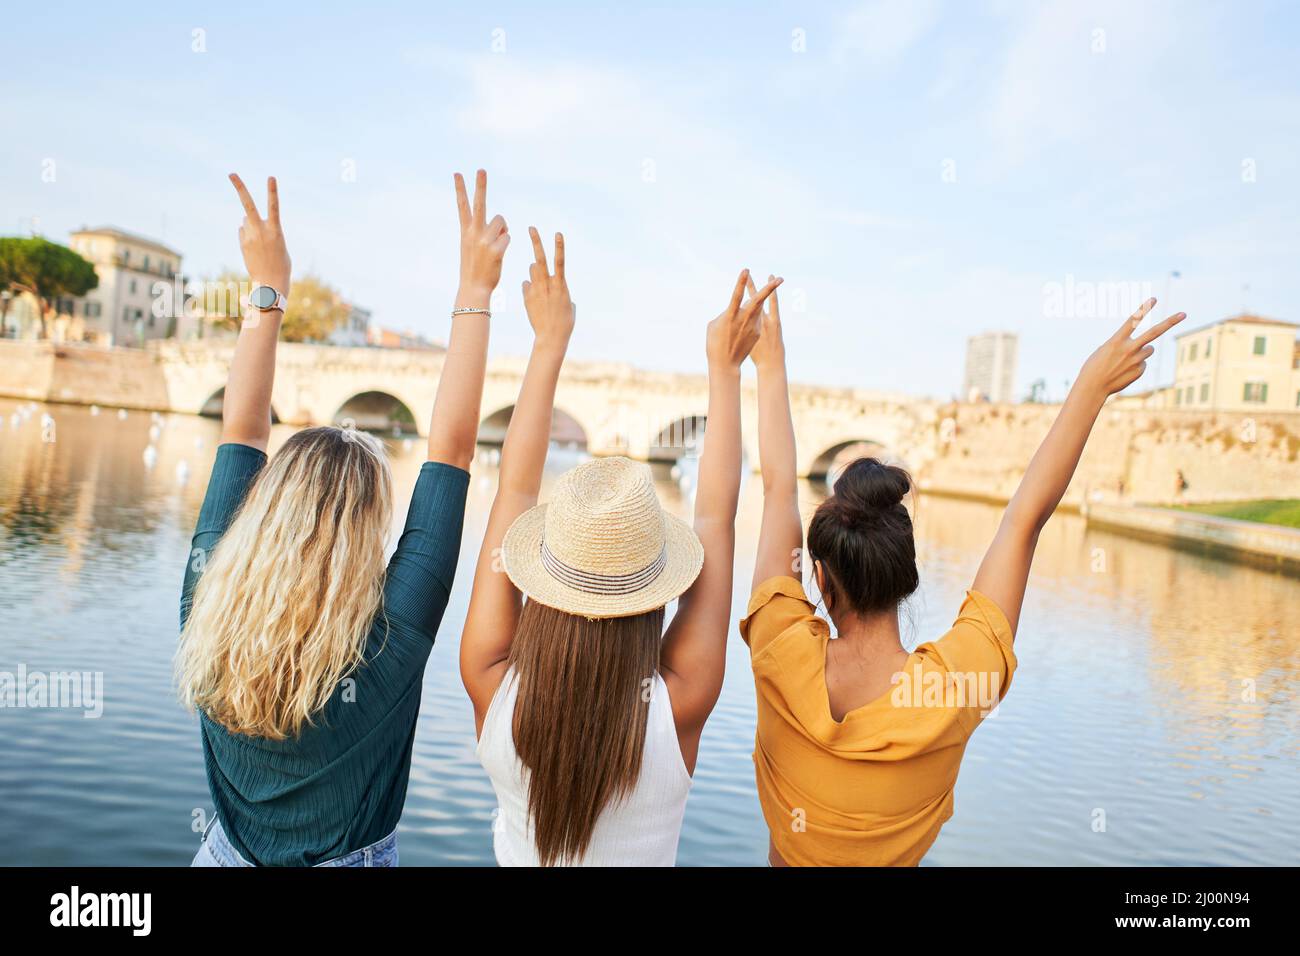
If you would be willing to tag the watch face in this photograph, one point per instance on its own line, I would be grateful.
(262, 297)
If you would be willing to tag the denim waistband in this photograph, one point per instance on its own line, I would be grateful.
(218, 845)
(380, 853)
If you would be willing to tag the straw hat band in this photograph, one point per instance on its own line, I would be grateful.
(591, 582)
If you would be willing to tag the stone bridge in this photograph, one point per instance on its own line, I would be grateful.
(608, 408)
(1135, 454)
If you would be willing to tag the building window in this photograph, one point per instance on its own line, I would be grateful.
(1255, 392)
(1205, 392)
(133, 287)
(1191, 394)
(1178, 396)
(1208, 343)
(1297, 399)
(146, 263)
(1260, 344)
(1192, 357)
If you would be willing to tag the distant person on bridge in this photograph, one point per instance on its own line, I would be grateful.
(302, 652)
(859, 741)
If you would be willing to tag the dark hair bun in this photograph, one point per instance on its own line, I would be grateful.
(862, 535)
(868, 484)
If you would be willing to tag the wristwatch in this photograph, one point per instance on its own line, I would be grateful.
(266, 299)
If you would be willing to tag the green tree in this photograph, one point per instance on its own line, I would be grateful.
(315, 308)
(45, 270)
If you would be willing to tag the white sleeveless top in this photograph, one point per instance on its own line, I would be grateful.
(641, 829)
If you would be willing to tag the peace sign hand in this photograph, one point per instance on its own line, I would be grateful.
(1121, 359)
(262, 241)
(734, 333)
(769, 351)
(546, 295)
(482, 243)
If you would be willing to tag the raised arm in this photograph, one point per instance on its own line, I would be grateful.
(453, 432)
(780, 535)
(1118, 363)
(495, 602)
(246, 412)
(695, 648)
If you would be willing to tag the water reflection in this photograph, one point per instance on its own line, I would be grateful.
(1157, 688)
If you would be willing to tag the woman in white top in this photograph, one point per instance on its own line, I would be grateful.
(589, 715)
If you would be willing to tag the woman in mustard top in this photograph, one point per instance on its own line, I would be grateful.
(859, 741)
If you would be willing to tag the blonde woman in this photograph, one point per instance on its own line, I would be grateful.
(302, 652)
(855, 756)
(589, 714)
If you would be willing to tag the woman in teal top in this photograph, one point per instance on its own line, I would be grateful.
(301, 650)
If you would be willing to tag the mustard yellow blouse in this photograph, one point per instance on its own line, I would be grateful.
(874, 788)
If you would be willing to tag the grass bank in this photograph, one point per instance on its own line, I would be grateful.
(1282, 511)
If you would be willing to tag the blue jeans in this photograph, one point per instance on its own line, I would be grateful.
(216, 850)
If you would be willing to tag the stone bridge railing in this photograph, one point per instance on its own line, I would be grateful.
(1134, 454)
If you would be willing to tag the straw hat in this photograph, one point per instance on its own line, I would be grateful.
(603, 546)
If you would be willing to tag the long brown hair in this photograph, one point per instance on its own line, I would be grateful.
(580, 717)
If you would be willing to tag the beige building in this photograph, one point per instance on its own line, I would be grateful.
(1243, 363)
(990, 368)
(355, 330)
(119, 311)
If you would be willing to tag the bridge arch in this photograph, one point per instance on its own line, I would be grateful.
(216, 403)
(682, 437)
(376, 410)
(828, 465)
(566, 430)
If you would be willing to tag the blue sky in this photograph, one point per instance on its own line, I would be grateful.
(918, 172)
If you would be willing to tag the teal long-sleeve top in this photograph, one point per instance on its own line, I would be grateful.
(340, 785)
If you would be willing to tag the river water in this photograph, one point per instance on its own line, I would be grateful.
(1153, 719)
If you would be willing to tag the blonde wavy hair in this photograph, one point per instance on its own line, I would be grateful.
(286, 601)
